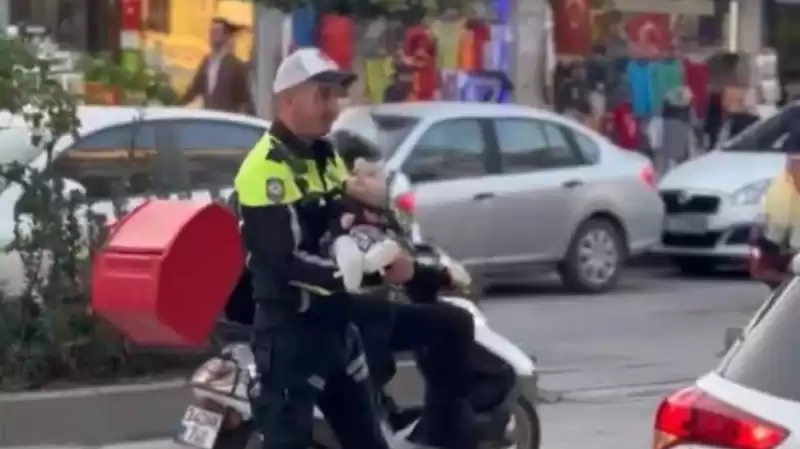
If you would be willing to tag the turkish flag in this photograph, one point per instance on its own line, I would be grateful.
(572, 27)
(648, 34)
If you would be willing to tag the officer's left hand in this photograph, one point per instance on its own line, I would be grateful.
(401, 270)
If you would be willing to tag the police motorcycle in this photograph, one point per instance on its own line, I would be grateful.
(503, 395)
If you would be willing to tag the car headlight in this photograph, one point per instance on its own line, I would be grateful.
(750, 194)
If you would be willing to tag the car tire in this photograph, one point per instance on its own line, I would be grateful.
(694, 266)
(595, 235)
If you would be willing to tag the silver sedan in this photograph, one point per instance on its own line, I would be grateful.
(512, 190)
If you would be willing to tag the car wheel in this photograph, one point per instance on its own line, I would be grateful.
(694, 266)
(594, 259)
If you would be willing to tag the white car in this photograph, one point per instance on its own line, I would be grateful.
(130, 152)
(511, 190)
(713, 201)
(752, 399)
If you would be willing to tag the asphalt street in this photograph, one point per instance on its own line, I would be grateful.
(607, 360)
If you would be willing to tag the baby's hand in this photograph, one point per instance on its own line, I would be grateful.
(347, 221)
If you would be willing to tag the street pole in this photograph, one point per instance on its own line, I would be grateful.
(268, 23)
(528, 62)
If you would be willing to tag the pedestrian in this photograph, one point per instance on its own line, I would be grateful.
(778, 237)
(222, 80)
(737, 113)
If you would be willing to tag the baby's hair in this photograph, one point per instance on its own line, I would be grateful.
(351, 147)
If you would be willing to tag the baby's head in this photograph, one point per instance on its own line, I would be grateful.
(369, 177)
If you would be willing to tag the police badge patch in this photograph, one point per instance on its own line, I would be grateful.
(275, 190)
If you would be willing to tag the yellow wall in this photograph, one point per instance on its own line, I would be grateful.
(187, 42)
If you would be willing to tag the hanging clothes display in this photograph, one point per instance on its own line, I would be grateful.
(336, 32)
(446, 31)
(304, 24)
(471, 45)
(639, 87)
(695, 76)
(665, 76)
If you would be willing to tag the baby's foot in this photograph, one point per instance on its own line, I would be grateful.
(380, 256)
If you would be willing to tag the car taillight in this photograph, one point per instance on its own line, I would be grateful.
(405, 203)
(692, 417)
(648, 176)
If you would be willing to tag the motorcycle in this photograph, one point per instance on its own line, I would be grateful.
(503, 397)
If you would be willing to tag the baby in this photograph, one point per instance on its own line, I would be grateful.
(365, 237)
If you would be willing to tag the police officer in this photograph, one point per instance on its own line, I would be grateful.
(306, 348)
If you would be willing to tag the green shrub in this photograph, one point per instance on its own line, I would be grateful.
(48, 332)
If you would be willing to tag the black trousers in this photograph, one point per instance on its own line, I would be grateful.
(302, 365)
(441, 337)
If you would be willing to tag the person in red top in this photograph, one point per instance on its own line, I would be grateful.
(624, 126)
(336, 38)
(420, 50)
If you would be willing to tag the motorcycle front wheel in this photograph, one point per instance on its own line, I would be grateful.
(523, 430)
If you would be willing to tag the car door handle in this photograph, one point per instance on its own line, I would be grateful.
(572, 183)
(483, 196)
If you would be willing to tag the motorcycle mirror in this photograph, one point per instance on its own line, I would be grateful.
(796, 265)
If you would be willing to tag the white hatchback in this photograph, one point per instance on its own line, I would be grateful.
(752, 400)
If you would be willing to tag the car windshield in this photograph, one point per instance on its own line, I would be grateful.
(767, 358)
(386, 130)
(768, 135)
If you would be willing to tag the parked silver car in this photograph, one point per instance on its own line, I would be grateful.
(713, 201)
(512, 190)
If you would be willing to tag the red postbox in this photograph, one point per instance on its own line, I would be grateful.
(166, 272)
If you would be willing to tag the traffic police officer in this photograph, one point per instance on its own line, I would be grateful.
(306, 348)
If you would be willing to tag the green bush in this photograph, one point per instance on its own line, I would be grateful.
(47, 332)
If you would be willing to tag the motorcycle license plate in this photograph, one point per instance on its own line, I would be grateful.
(199, 428)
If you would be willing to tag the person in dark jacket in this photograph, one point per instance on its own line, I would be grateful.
(307, 350)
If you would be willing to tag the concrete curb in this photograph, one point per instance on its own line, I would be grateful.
(92, 416)
(96, 416)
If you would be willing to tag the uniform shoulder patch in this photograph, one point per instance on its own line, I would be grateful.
(276, 190)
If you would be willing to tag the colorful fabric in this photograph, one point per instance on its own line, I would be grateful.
(471, 45)
(378, 75)
(336, 38)
(665, 76)
(446, 34)
(639, 88)
(303, 27)
(695, 75)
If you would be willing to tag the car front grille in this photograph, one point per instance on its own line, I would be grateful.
(707, 240)
(679, 202)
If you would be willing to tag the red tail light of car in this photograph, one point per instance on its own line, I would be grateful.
(648, 176)
(692, 417)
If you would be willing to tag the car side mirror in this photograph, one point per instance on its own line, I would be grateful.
(796, 265)
(732, 335)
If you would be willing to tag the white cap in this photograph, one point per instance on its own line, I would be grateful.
(310, 64)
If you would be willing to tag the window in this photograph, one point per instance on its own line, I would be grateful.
(112, 163)
(527, 145)
(766, 136)
(767, 358)
(214, 150)
(587, 146)
(158, 17)
(448, 150)
(387, 131)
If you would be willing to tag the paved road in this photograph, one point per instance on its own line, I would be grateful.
(608, 359)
